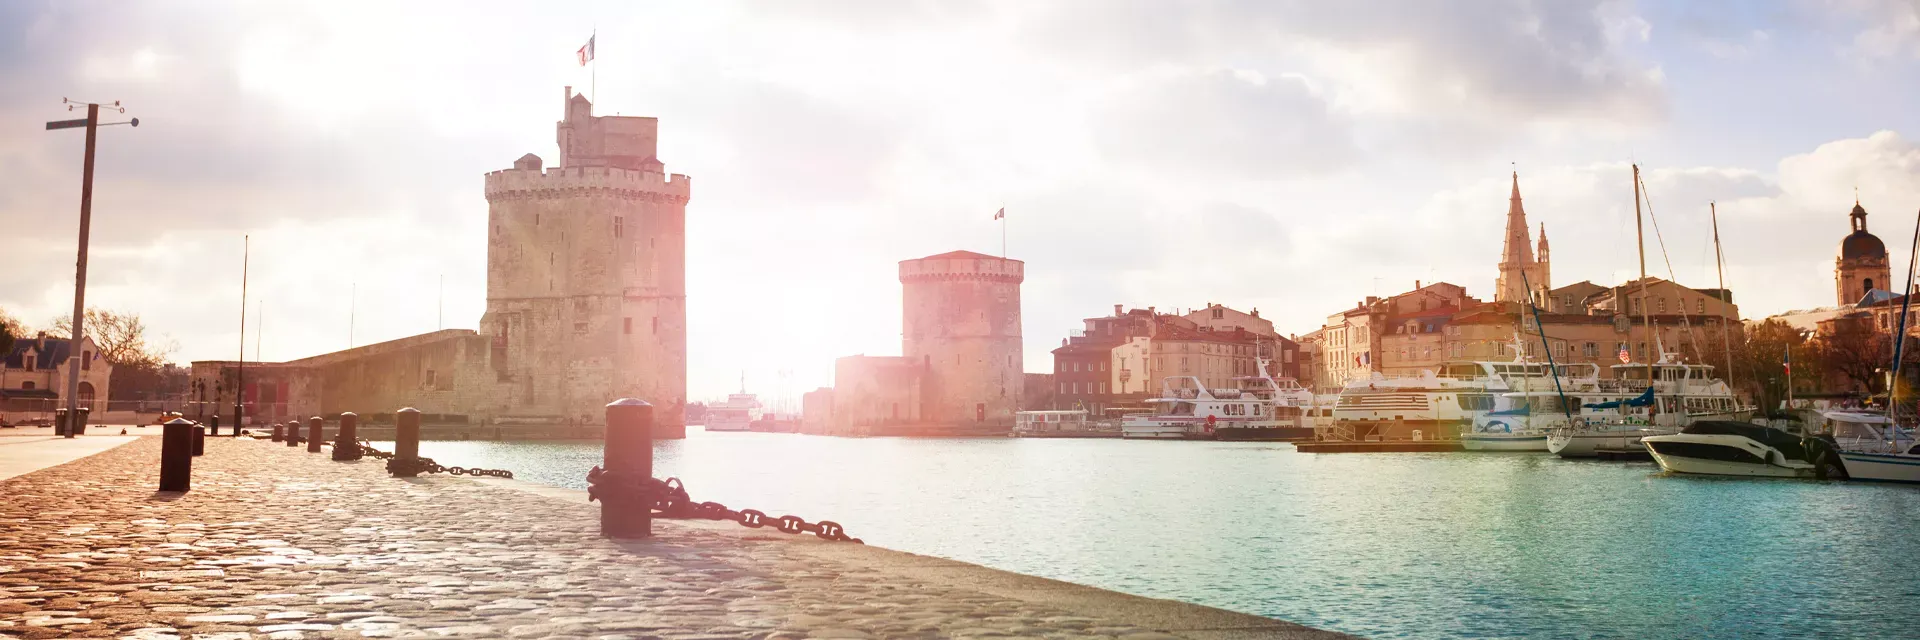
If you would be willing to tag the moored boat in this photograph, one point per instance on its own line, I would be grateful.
(1725, 448)
(1872, 447)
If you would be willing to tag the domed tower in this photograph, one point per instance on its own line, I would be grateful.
(962, 322)
(1862, 265)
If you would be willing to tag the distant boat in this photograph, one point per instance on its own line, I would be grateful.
(736, 414)
(1872, 447)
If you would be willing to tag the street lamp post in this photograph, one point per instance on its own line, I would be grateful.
(74, 354)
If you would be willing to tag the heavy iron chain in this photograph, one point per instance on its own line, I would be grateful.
(669, 499)
(417, 466)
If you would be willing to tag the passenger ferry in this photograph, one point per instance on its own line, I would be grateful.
(1259, 407)
(736, 414)
(1433, 402)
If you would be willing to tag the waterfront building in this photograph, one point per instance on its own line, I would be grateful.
(961, 371)
(1356, 343)
(1519, 264)
(33, 382)
(586, 302)
(1115, 364)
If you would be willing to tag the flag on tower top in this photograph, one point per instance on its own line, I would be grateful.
(1002, 213)
(585, 54)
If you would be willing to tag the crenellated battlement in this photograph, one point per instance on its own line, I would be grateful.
(962, 265)
(569, 182)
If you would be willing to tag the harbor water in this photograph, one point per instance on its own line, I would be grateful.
(1399, 545)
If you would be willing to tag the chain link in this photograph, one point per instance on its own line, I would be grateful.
(669, 499)
(416, 466)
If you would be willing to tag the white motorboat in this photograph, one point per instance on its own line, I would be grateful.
(1723, 448)
(1872, 447)
(736, 414)
(1188, 410)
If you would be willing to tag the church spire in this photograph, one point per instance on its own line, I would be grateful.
(1517, 256)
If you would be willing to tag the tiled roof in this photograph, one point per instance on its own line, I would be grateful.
(51, 350)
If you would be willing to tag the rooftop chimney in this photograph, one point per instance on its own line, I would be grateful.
(1256, 312)
(1150, 311)
(1416, 285)
(1116, 310)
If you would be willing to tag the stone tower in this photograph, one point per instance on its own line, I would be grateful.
(586, 274)
(1517, 257)
(962, 322)
(1862, 264)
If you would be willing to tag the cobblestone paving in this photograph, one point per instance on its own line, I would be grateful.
(275, 542)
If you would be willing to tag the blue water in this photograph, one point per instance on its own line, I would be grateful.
(1457, 545)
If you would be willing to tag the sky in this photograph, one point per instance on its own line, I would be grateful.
(1293, 157)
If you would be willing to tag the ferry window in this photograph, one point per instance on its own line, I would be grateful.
(1182, 408)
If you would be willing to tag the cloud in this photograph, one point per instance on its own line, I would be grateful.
(1224, 123)
(1514, 61)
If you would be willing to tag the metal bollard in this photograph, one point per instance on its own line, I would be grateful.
(293, 432)
(199, 439)
(277, 432)
(346, 444)
(213, 426)
(629, 451)
(176, 455)
(315, 425)
(406, 438)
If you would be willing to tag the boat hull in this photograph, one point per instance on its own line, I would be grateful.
(1503, 442)
(1588, 444)
(1162, 431)
(1881, 467)
(1263, 434)
(1718, 456)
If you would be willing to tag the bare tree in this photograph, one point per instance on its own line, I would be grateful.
(1856, 354)
(121, 338)
(10, 328)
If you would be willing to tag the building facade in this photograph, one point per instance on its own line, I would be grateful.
(33, 380)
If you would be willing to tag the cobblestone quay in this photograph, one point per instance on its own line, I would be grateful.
(276, 542)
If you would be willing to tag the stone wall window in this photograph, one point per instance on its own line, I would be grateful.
(1590, 350)
(433, 381)
(619, 227)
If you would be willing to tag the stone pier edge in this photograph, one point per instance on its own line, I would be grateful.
(1183, 619)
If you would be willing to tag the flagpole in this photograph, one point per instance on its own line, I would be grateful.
(593, 42)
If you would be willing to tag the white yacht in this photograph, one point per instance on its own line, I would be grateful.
(1620, 410)
(1872, 447)
(1188, 410)
(1723, 448)
(1432, 402)
(736, 414)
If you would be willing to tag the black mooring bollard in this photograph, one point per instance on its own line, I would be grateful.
(176, 455)
(213, 426)
(629, 452)
(199, 440)
(315, 425)
(346, 445)
(278, 432)
(406, 440)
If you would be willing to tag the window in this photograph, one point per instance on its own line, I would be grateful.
(1700, 305)
(619, 227)
(28, 385)
(1076, 367)
(1662, 306)
(1075, 386)
(432, 380)
(1641, 349)
(1063, 388)
(1590, 350)
(1103, 387)
(86, 361)
(626, 325)
(1103, 364)
(579, 327)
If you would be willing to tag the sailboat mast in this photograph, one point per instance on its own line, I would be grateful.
(1900, 338)
(1640, 239)
(1720, 271)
